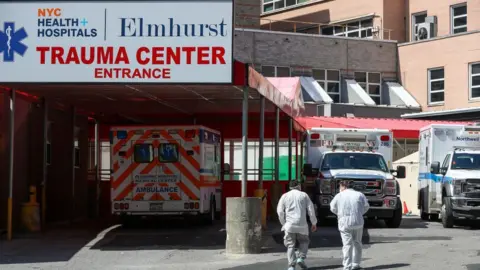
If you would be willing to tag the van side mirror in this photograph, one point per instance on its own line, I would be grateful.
(435, 167)
(307, 169)
(401, 172)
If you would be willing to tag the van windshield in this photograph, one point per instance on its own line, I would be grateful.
(466, 161)
(358, 161)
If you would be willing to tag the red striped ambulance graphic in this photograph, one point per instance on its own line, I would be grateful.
(165, 170)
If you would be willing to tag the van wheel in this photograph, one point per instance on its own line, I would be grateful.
(218, 214)
(423, 214)
(396, 220)
(321, 217)
(447, 214)
(209, 218)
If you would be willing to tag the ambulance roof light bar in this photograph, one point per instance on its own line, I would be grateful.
(360, 148)
(466, 148)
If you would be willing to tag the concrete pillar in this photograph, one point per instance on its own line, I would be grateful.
(243, 224)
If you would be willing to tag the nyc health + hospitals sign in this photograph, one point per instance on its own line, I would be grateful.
(116, 42)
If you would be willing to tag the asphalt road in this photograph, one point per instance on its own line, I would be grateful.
(177, 245)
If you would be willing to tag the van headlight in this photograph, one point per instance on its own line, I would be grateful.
(457, 187)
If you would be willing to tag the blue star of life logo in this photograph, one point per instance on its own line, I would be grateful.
(11, 41)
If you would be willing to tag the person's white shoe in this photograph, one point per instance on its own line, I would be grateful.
(291, 268)
(302, 263)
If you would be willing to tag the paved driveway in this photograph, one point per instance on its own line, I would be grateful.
(176, 245)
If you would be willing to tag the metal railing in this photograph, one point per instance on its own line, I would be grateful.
(104, 175)
(312, 27)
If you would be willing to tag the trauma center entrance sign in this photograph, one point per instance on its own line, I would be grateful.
(116, 42)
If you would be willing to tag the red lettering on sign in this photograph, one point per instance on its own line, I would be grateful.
(84, 55)
(179, 55)
(134, 73)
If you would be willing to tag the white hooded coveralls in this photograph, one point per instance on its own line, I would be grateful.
(350, 206)
(292, 213)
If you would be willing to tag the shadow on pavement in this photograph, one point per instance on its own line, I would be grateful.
(328, 237)
(408, 222)
(58, 243)
(164, 234)
(61, 243)
(387, 266)
(464, 224)
(473, 266)
(314, 264)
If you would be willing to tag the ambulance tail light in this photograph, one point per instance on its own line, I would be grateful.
(390, 187)
(384, 138)
(191, 205)
(314, 136)
(121, 206)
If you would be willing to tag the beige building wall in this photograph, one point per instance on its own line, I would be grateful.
(441, 9)
(389, 15)
(454, 53)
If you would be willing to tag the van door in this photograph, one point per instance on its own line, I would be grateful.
(144, 174)
(169, 175)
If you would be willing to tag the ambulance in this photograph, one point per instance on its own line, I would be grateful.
(449, 173)
(362, 156)
(166, 170)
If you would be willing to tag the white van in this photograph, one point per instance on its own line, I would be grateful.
(362, 156)
(449, 173)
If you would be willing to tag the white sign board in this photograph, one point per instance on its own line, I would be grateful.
(116, 42)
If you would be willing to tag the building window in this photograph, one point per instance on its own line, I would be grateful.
(436, 85)
(330, 81)
(458, 14)
(371, 82)
(273, 71)
(361, 28)
(271, 5)
(416, 20)
(475, 80)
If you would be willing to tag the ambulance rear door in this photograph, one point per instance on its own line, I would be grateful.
(153, 180)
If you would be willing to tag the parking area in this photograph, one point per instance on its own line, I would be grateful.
(175, 244)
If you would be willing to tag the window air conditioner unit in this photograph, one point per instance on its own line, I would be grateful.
(427, 29)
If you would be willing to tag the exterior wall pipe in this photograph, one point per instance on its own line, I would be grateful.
(277, 139)
(297, 168)
(244, 142)
(301, 154)
(73, 161)
(44, 162)
(10, 164)
(97, 167)
(261, 142)
(290, 135)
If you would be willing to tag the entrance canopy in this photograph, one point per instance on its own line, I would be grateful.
(405, 129)
(151, 103)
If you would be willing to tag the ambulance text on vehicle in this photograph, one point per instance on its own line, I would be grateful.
(362, 156)
(449, 173)
(166, 170)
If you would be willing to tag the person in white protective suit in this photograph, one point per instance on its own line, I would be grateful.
(350, 206)
(292, 213)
